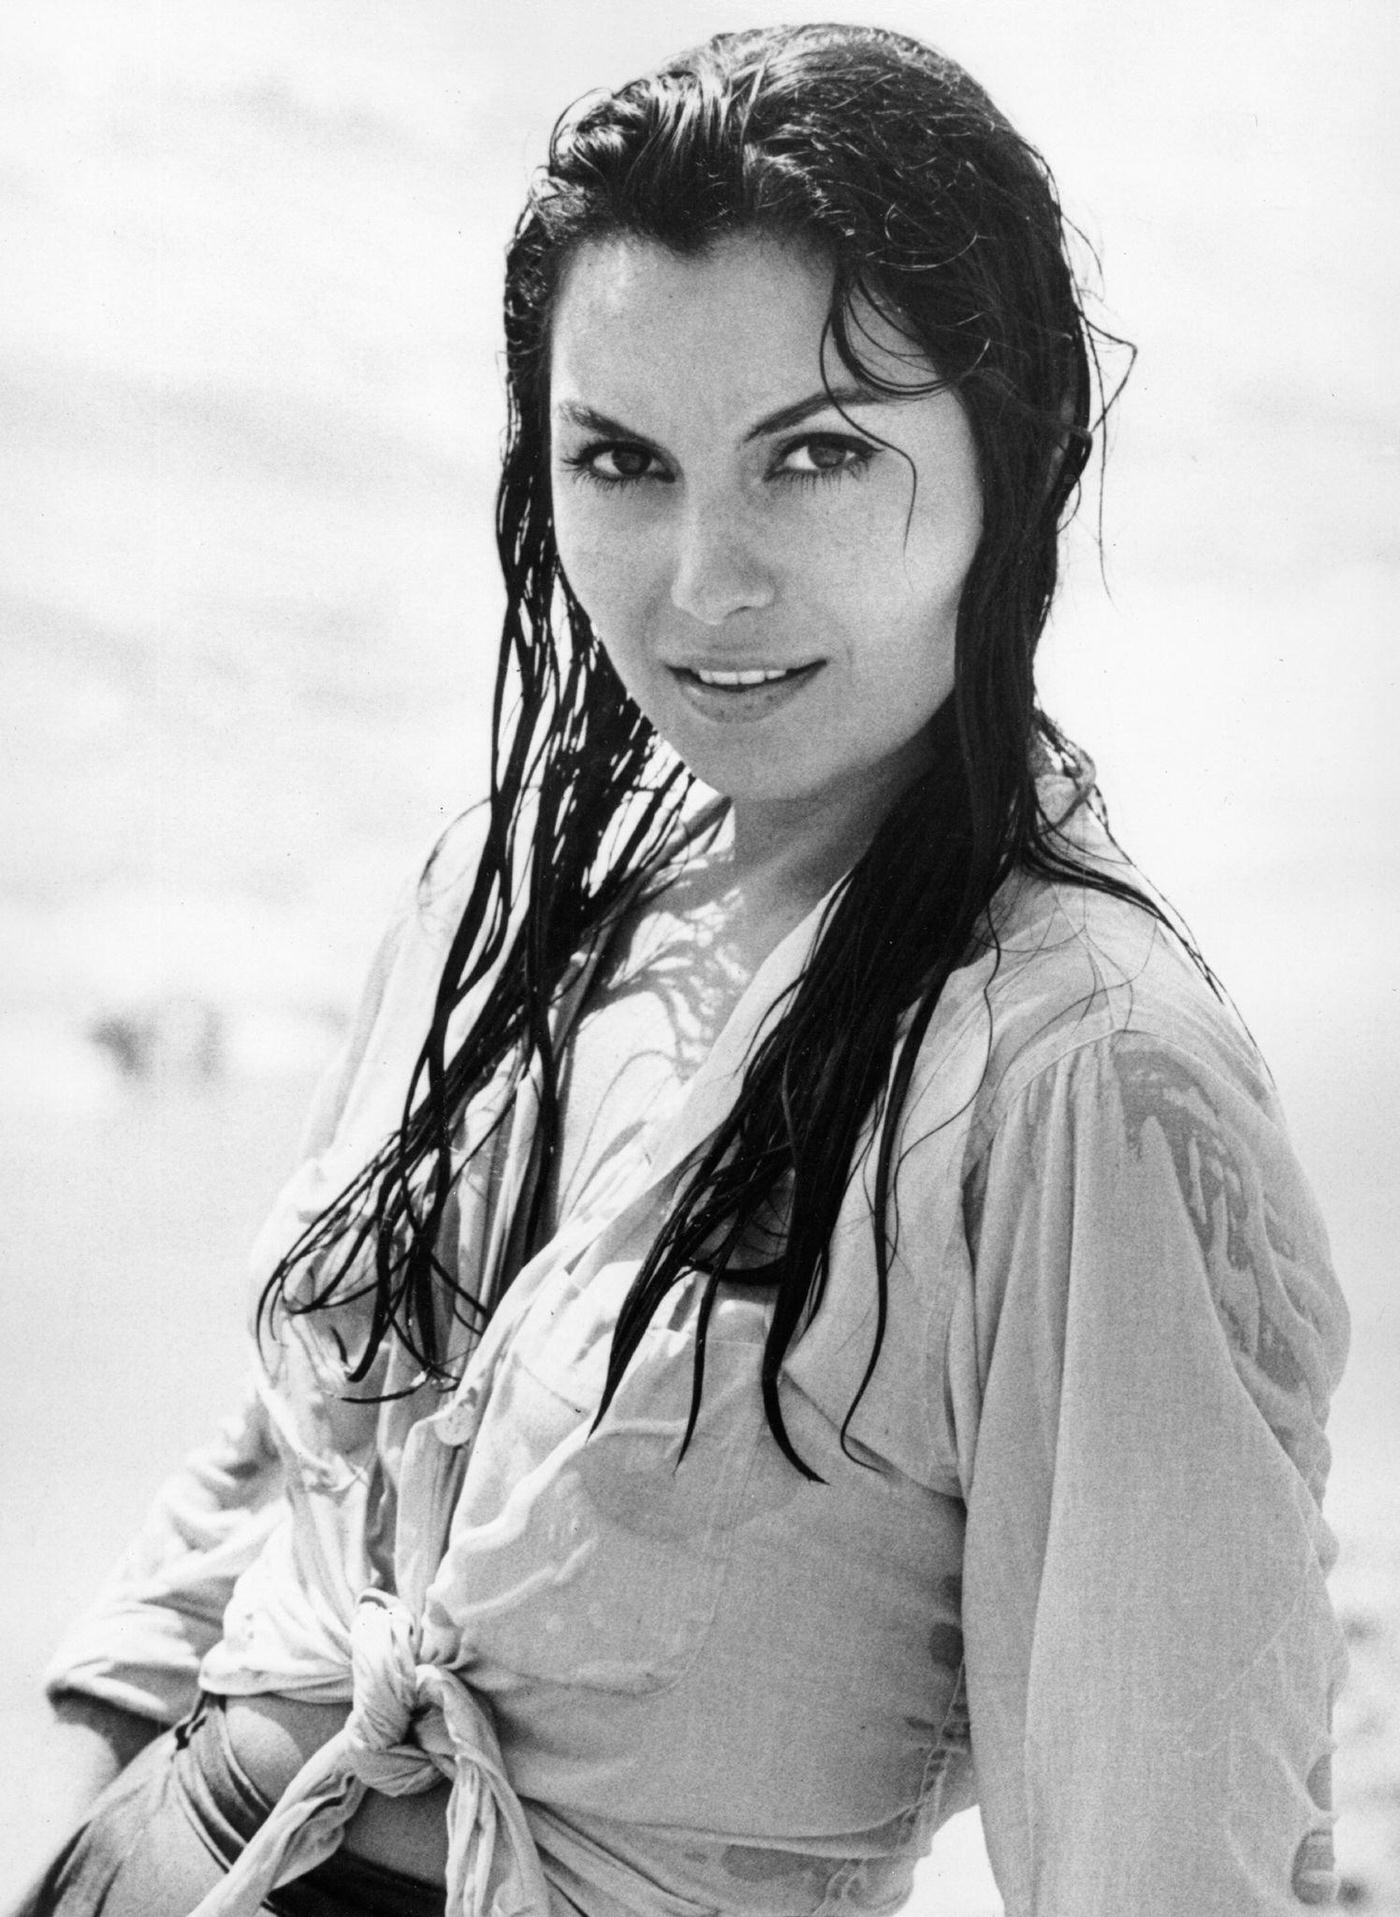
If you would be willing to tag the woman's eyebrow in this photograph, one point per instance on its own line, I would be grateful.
(572, 413)
(801, 409)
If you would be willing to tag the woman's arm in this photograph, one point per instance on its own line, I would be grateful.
(1148, 1348)
(138, 1647)
(77, 1754)
(130, 1663)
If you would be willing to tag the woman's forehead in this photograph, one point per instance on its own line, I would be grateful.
(748, 314)
(650, 294)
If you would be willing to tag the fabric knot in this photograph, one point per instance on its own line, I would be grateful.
(409, 1724)
(395, 1737)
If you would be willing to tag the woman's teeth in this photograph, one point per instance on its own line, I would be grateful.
(763, 676)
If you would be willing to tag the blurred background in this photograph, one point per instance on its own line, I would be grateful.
(249, 415)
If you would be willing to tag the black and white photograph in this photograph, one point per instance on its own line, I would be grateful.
(699, 1036)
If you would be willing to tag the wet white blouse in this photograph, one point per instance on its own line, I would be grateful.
(1070, 1563)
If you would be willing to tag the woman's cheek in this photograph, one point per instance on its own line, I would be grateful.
(600, 566)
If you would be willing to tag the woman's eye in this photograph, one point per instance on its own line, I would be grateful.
(616, 464)
(825, 457)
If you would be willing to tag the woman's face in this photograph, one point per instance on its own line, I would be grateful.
(777, 585)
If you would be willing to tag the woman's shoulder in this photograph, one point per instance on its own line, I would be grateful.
(424, 916)
(433, 900)
(368, 1079)
(1091, 971)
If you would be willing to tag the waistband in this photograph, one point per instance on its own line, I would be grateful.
(227, 1809)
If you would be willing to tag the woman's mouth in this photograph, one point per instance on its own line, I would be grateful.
(746, 692)
(758, 676)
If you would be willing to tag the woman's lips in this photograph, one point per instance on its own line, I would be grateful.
(742, 692)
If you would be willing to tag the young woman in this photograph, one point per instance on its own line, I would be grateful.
(798, 1290)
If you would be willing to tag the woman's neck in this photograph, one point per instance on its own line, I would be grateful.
(772, 883)
(788, 854)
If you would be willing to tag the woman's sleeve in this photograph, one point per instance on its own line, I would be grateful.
(1140, 1372)
(140, 1644)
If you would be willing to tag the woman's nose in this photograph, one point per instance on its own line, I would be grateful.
(717, 569)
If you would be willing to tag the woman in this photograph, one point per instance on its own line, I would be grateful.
(793, 1293)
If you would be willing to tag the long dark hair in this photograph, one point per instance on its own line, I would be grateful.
(890, 162)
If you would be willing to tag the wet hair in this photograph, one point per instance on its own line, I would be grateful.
(891, 164)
